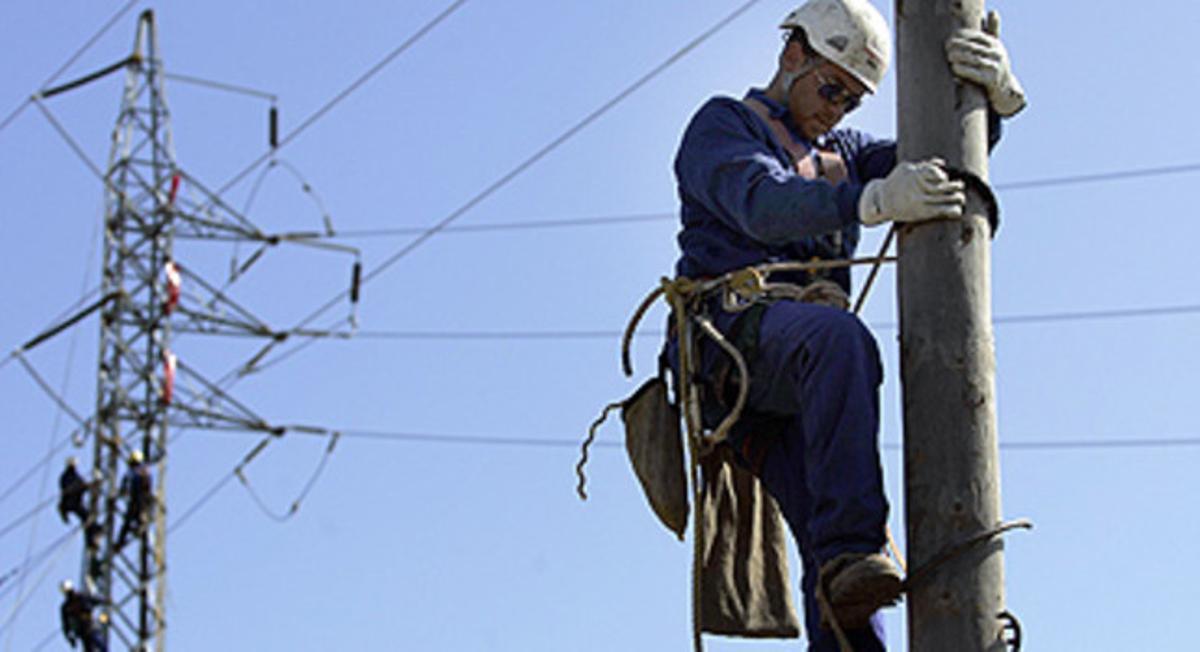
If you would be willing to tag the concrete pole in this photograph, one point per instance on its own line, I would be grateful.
(951, 459)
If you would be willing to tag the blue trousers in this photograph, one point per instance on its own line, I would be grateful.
(817, 371)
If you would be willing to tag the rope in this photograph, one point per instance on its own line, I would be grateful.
(895, 550)
(739, 290)
(631, 327)
(831, 617)
(870, 282)
(722, 430)
(697, 544)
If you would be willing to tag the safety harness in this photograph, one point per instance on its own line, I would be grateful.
(745, 292)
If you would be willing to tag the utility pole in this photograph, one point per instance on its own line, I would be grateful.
(947, 351)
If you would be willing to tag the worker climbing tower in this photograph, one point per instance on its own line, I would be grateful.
(136, 370)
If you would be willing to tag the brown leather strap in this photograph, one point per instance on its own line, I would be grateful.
(824, 165)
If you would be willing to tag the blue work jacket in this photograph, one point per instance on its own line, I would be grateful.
(743, 203)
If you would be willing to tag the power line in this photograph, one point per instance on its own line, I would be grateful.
(513, 226)
(74, 57)
(1087, 315)
(37, 465)
(550, 442)
(337, 99)
(208, 495)
(28, 515)
(1117, 175)
(36, 559)
(427, 233)
(221, 86)
(536, 156)
(636, 218)
(532, 442)
(1097, 315)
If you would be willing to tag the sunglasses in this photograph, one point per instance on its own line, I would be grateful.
(834, 92)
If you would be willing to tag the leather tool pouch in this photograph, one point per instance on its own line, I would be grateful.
(654, 442)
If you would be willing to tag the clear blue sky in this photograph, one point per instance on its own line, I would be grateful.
(423, 545)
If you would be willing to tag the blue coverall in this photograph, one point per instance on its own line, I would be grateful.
(815, 369)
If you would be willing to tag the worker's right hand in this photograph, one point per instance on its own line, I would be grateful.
(912, 192)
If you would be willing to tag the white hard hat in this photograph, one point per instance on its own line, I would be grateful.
(136, 457)
(850, 33)
(66, 586)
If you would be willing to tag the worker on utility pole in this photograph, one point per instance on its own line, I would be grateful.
(78, 623)
(768, 178)
(138, 488)
(72, 490)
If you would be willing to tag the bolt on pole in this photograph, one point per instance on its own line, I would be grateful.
(947, 350)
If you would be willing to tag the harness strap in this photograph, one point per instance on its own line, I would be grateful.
(811, 162)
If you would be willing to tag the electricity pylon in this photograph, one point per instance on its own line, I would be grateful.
(133, 388)
(149, 203)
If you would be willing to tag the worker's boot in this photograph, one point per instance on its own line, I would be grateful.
(856, 585)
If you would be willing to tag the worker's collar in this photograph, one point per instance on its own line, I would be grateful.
(778, 112)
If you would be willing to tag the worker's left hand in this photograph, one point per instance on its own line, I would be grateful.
(978, 56)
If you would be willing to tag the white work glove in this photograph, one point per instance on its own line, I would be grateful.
(912, 192)
(978, 56)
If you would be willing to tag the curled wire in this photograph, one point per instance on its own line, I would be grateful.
(581, 488)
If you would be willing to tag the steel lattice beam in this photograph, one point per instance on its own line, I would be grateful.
(135, 332)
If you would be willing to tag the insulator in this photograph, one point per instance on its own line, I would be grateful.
(273, 120)
(356, 282)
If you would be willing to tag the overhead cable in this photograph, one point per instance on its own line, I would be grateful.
(337, 99)
(52, 445)
(36, 559)
(1099, 177)
(281, 517)
(1033, 318)
(22, 600)
(511, 226)
(536, 156)
(208, 495)
(73, 58)
(75, 147)
(1012, 186)
(548, 442)
(27, 515)
(50, 455)
(54, 396)
(223, 86)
